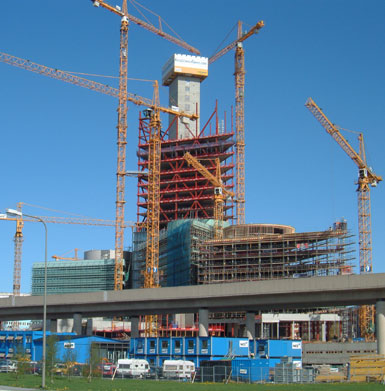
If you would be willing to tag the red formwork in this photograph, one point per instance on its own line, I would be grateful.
(184, 193)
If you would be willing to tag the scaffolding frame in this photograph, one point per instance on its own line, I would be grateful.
(274, 256)
(184, 193)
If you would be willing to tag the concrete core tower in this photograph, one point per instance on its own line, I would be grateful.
(184, 74)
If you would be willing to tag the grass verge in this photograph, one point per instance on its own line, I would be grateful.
(81, 384)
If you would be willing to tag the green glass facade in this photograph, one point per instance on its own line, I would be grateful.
(73, 276)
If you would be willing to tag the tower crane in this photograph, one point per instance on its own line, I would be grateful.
(151, 272)
(239, 74)
(122, 121)
(220, 191)
(366, 178)
(18, 238)
(98, 87)
(61, 257)
(67, 77)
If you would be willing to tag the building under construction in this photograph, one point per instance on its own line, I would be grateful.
(189, 255)
(188, 251)
(269, 251)
(184, 193)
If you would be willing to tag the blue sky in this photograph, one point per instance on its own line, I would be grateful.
(58, 141)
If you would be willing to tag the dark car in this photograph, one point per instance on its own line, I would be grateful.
(34, 368)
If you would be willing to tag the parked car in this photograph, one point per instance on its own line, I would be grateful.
(8, 366)
(107, 369)
(60, 369)
(33, 368)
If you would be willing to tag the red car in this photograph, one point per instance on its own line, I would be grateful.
(108, 369)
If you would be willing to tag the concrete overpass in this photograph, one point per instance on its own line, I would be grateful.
(250, 296)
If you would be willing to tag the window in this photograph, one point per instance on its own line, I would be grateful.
(164, 344)
(191, 344)
(152, 344)
(124, 366)
(177, 344)
(205, 344)
(187, 107)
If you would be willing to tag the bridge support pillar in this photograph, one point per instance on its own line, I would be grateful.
(380, 326)
(77, 327)
(250, 325)
(323, 331)
(134, 326)
(203, 322)
(52, 325)
(89, 327)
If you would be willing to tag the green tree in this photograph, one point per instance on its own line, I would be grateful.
(94, 361)
(51, 355)
(22, 360)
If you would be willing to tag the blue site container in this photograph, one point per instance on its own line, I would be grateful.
(273, 362)
(13, 342)
(240, 347)
(190, 346)
(152, 346)
(222, 346)
(204, 346)
(152, 360)
(164, 346)
(137, 346)
(252, 370)
(177, 346)
(279, 348)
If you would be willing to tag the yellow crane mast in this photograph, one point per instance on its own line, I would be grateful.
(151, 272)
(220, 191)
(239, 74)
(366, 177)
(122, 122)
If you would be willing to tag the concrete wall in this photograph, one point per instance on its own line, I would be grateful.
(185, 92)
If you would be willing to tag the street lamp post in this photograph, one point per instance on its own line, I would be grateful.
(17, 213)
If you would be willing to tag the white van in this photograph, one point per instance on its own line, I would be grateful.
(132, 367)
(180, 369)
